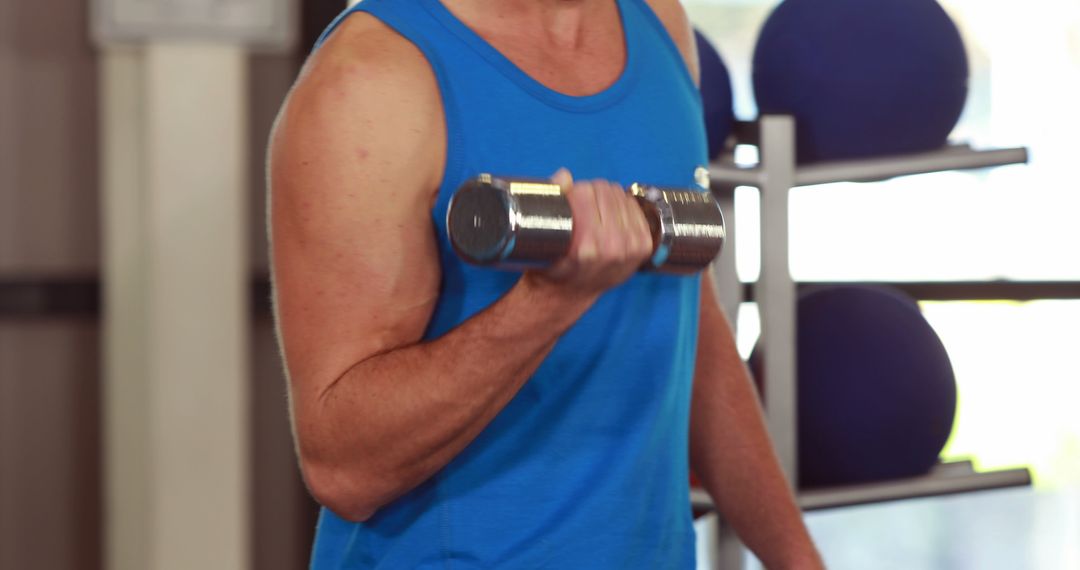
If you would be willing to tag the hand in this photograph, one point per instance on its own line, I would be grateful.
(610, 242)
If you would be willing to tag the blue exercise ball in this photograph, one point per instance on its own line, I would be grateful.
(876, 390)
(716, 95)
(862, 78)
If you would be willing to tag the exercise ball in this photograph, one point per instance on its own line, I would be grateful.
(716, 95)
(876, 391)
(862, 78)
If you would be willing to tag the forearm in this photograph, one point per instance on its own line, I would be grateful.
(733, 456)
(394, 419)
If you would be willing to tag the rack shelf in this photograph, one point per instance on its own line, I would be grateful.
(991, 290)
(952, 157)
(945, 479)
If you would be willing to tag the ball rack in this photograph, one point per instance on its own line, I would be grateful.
(775, 174)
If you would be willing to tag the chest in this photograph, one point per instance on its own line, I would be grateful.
(580, 73)
(588, 65)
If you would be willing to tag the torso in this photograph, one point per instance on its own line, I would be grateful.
(601, 420)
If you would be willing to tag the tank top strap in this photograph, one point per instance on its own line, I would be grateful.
(660, 37)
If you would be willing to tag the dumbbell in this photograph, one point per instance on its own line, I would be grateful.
(515, 223)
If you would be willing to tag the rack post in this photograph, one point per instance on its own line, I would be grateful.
(776, 289)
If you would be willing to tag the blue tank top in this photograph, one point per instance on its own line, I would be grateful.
(587, 467)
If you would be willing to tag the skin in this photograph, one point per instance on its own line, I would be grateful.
(376, 411)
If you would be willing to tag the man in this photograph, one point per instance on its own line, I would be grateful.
(448, 416)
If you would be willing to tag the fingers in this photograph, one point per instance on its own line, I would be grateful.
(639, 226)
(631, 236)
(611, 237)
(588, 221)
(612, 228)
(611, 213)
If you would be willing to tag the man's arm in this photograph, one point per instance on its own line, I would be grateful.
(730, 449)
(356, 158)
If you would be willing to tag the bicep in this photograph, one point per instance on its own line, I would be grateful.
(349, 283)
(355, 262)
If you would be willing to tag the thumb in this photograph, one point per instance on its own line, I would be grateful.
(564, 179)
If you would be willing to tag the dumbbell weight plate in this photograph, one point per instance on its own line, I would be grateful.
(511, 223)
(688, 228)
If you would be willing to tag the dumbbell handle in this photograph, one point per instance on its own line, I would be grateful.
(514, 223)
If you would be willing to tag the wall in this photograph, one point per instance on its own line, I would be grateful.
(49, 500)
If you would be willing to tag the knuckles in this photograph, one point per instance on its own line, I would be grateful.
(612, 236)
(620, 238)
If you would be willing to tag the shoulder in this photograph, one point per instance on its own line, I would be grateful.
(672, 14)
(366, 85)
(364, 54)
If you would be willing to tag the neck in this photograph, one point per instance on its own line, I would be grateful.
(562, 23)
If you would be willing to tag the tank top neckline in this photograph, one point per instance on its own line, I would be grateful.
(604, 98)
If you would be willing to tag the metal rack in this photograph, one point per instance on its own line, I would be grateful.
(944, 479)
(775, 292)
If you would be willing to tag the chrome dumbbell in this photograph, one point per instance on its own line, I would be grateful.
(513, 223)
